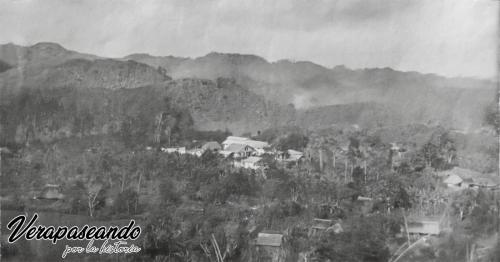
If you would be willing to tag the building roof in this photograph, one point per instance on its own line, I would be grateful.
(212, 145)
(51, 192)
(234, 139)
(245, 141)
(294, 152)
(362, 198)
(236, 148)
(461, 172)
(267, 239)
(453, 180)
(322, 223)
(294, 155)
(256, 144)
(425, 225)
(173, 149)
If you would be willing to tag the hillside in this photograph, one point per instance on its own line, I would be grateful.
(46, 91)
(40, 54)
(312, 84)
(456, 102)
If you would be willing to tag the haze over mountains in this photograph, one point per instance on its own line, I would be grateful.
(241, 93)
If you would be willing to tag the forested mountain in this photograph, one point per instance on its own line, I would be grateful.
(47, 91)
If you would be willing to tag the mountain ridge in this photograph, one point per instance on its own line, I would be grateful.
(240, 93)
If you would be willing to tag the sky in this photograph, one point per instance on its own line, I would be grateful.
(446, 37)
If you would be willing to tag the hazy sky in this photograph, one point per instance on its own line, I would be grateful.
(448, 37)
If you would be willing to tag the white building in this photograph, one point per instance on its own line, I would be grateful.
(238, 151)
(259, 146)
(252, 162)
(180, 150)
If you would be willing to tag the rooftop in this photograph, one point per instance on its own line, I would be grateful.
(268, 239)
(234, 148)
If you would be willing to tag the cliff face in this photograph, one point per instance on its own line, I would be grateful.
(101, 97)
(223, 104)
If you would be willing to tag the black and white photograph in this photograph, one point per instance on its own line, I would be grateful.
(249, 130)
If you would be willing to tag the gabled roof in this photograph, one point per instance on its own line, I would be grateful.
(235, 148)
(267, 239)
(245, 141)
(294, 152)
(212, 145)
(256, 144)
(51, 192)
(234, 139)
(453, 180)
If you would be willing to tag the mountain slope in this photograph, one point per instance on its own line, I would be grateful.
(457, 102)
(51, 92)
(40, 54)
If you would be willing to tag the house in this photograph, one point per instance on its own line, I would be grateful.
(253, 162)
(233, 140)
(51, 192)
(455, 182)
(180, 150)
(294, 155)
(270, 247)
(259, 146)
(425, 225)
(460, 178)
(238, 151)
(269, 239)
(289, 156)
(320, 226)
(212, 146)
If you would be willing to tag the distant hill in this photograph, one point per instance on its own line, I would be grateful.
(415, 97)
(39, 54)
(307, 84)
(47, 92)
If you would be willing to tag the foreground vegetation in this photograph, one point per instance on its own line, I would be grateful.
(189, 204)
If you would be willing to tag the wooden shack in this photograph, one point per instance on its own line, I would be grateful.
(50, 192)
(270, 247)
(425, 225)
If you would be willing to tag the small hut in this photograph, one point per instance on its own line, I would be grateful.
(212, 146)
(320, 226)
(270, 247)
(51, 192)
(425, 225)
